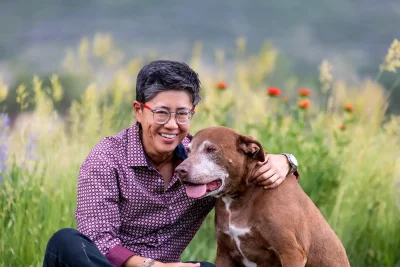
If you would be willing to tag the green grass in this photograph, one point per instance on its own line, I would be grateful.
(351, 175)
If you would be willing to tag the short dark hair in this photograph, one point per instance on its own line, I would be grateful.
(163, 75)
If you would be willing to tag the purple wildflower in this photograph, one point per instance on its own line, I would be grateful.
(30, 148)
(5, 123)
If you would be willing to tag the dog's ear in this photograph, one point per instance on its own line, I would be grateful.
(251, 147)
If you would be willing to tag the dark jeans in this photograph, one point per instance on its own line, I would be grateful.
(70, 248)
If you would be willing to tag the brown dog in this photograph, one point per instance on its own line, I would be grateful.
(256, 227)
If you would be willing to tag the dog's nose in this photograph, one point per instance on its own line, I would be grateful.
(182, 171)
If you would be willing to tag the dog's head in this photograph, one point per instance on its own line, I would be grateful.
(219, 162)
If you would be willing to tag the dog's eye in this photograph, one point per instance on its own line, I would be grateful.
(211, 149)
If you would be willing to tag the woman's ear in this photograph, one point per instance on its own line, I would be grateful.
(138, 111)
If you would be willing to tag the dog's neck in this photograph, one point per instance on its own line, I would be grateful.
(246, 181)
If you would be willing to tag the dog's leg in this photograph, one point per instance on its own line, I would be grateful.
(224, 261)
(223, 258)
(293, 256)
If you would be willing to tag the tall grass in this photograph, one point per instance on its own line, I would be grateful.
(350, 160)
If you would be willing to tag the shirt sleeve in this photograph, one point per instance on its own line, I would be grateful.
(97, 213)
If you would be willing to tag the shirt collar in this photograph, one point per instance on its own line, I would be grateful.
(136, 156)
(135, 150)
(180, 152)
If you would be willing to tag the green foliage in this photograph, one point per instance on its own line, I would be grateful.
(350, 171)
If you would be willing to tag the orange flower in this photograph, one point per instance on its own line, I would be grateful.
(274, 91)
(285, 99)
(342, 126)
(304, 104)
(222, 85)
(348, 108)
(304, 92)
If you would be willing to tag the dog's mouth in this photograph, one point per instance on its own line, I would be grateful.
(201, 190)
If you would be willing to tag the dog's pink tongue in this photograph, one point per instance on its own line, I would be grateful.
(195, 191)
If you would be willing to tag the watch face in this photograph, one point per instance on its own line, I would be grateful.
(294, 160)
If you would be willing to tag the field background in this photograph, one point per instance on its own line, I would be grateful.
(67, 78)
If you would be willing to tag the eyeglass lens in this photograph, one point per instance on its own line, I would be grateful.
(162, 116)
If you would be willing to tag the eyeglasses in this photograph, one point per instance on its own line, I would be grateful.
(162, 116)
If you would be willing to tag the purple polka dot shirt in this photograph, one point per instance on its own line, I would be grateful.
(124, 208)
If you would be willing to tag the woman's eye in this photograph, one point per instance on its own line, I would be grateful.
(161, 112)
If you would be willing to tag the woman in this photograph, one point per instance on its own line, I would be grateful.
(132, 210)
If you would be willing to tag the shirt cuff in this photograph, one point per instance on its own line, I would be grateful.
(118, 255)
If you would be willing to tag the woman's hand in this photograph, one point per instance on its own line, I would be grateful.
(272, 171)
(176, 264)
(136, 261)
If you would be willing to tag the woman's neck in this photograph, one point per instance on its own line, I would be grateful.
(160, 161)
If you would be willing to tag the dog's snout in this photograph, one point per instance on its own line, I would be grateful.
(182, 170)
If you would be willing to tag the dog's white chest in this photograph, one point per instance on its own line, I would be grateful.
(236, 232)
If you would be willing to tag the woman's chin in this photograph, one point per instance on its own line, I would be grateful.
(164, 148)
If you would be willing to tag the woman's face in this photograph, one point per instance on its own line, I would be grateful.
(160, 140)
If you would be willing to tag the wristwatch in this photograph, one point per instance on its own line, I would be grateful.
(292, 161)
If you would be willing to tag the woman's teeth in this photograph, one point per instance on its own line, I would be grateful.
(169, 136)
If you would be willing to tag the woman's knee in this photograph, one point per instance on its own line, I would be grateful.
(206, 264)
(63, 236)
